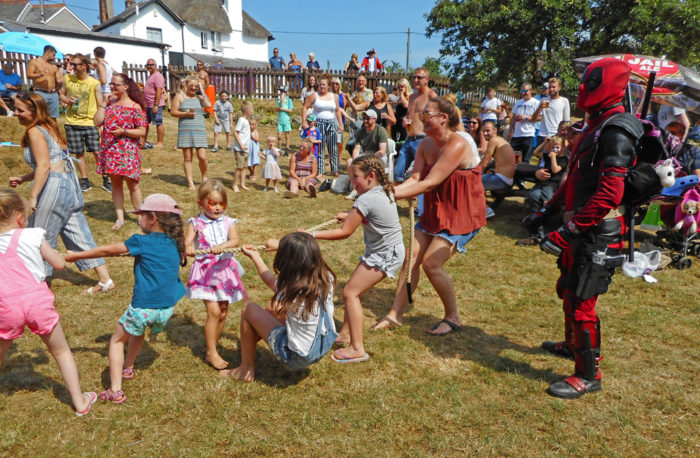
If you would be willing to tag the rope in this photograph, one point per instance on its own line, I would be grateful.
(411, 229)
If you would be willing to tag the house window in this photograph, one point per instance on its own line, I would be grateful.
(154, 34)
(216, 41)
(205, 40)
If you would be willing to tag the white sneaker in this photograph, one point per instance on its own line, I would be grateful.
(276, 190)
(489, 212)
(352, 196)
(265, 189)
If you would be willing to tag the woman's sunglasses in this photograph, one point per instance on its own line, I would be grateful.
(25, 96)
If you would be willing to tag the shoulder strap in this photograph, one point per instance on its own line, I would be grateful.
(14, 241)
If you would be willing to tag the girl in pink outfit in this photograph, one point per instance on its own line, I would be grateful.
(25, 299)
(215, 278)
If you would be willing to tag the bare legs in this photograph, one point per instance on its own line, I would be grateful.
(256, 324)
(116, 355)
(216, 318)
(118, 196)
(432, 253)
(58, 346)
(361, 281)
(202, 157)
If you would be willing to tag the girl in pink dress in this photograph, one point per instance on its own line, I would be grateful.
(215, 278)
(25, 299)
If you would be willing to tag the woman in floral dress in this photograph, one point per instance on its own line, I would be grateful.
(123, 122)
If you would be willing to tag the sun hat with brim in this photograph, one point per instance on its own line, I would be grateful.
(158, 203)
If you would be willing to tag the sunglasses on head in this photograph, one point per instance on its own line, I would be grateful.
(24, 95)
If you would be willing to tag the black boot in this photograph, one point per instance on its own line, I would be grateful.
(558, 349)
(573, 387)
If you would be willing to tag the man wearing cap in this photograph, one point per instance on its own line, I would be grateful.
(10, 83)
(312, 64)
(552, 110)
(523, 132)
(47, 77)
(277, 62)
(285, 106)
(371, 63)
(371, 138)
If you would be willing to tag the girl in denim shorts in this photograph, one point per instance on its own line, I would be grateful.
(25, 299)
(158, 255)
(298, 324)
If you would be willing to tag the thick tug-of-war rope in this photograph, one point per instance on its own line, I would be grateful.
(409, 267)
(330, 222)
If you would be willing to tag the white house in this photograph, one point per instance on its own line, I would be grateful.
(48, 14)
(206, 30)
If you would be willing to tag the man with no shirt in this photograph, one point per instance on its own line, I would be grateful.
(413, 123)
(203, 75)
(47, 77)
(504, 157)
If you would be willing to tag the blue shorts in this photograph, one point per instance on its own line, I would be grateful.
(53, 103)
(460, 240)
(155, 119)
(135, 320)
(277, 340)
(284, 126)
(406, 156)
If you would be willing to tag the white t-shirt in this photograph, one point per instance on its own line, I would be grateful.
(667, 114)
(557, 112)
(28, 249)
(525, 108)
(493, 103)
(300, 333)
(243, 129)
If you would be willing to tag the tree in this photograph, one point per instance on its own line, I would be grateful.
(511, 41)
(435, 66)
(393, 67)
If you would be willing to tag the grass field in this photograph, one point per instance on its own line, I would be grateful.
(481, 391)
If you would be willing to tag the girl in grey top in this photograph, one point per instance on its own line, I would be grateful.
(375, 209)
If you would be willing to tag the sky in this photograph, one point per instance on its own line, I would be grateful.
(347, 26)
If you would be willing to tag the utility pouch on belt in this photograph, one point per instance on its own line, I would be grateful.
(593, 280)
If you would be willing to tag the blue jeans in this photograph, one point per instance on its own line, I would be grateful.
(539, 194)
(406, 156)
(277, 339)
(493, 182)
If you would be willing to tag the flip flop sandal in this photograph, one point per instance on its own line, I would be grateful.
(101, 287)
(92, 397)
(115, 397)
(453, 326)
(128, 373)
(118, 224)
(341, 358)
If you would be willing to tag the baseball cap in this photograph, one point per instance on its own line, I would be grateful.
(545, 86)
(283, 88)
(371, 114)
(311, 117)
(158, 203)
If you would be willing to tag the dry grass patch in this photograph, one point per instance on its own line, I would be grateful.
(477, 392)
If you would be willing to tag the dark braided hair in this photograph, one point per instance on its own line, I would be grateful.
(171, 224)
(367, 163)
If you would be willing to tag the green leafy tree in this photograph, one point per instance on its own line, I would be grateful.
(510, 41)
(393, 67)
(435, 66)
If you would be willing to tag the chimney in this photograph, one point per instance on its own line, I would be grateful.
(106, 10)
(129, 4)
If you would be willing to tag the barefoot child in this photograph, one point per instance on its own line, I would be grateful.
(271, 169)
(375, 209)
(215, 278)
(25, 299)
(254, 153)
(298, 324)
(223, 120)
(158, 255)
(241, 146)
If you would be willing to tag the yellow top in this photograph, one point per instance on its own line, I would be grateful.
(83, 91)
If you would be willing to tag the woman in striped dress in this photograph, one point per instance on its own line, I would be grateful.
(192, 133)
(329, 117)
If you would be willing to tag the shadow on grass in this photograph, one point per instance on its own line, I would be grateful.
(73, 277)
(102, 210)
(19, 375)
(184, 332)
(178, 180)
(472, 343)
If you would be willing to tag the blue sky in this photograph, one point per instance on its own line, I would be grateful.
(362, 18)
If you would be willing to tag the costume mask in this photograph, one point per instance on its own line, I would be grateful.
(603, 84)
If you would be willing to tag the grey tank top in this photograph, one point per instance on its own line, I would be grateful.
(56, 154)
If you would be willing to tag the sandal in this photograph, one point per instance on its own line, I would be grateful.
(146, 171)
(101, 287)
(128, 373)
(118, 224)
(454, 327)
(92, 397)
(390, 324)
(115, 397)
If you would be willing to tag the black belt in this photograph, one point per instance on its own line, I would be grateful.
(53, 91)
(411, 138)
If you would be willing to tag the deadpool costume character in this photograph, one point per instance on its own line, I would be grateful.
(589, 243)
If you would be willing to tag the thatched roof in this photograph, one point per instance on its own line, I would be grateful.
(203, 14)
(253, 28)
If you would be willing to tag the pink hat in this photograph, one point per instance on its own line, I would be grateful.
(159, 203)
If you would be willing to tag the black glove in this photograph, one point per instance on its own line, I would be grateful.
(533, 221)
(559, 240)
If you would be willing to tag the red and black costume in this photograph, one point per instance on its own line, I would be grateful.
(593, 228)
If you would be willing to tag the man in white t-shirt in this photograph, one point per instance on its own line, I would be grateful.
(523, 132)
(552, 110)
(491, 106)
(668, 114)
